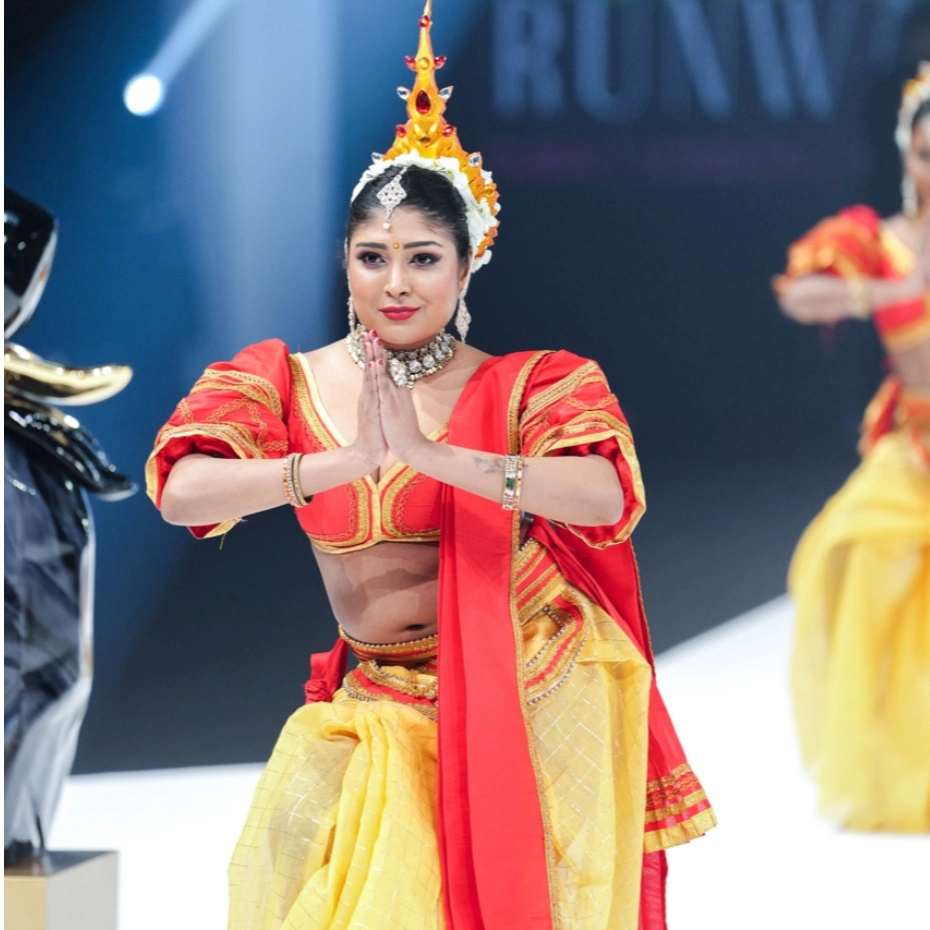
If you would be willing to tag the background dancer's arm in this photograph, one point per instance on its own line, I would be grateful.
(823, 298)
(826, 298)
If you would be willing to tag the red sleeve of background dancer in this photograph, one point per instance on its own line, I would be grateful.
(847, 245)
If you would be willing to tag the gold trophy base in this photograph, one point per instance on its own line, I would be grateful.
(61, 891)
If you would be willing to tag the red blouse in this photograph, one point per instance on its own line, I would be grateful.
(265, 403)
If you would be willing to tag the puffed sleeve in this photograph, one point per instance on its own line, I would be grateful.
(236, 409)
(847, 245)
(569, 409)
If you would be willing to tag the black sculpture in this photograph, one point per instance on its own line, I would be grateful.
(51, 462)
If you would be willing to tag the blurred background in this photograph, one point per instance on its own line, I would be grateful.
(655, 159)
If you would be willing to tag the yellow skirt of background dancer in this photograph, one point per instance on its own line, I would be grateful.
(860, 579)
(342, 830)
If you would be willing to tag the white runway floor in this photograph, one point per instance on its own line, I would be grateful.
(770, 865)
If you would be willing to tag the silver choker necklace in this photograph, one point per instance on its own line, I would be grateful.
(407, 366)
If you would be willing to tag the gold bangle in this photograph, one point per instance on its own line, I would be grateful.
(286, 481)
(859, 305)
(513, 482)
(296, 459)
(291, 480)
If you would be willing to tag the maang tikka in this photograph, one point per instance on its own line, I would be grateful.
(391, 195)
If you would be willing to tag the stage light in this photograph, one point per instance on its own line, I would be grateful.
(143, 94)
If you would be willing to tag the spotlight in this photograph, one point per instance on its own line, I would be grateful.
(144, 94)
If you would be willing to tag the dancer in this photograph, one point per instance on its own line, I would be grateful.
(544, 787)
(860, 576)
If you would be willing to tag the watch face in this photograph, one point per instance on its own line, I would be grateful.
(29, 237)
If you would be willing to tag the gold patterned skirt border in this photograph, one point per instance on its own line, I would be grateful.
(403, 673)
(414, 651)
(677, 810)
(406, 673)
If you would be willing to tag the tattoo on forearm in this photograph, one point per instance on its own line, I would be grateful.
(489, 466)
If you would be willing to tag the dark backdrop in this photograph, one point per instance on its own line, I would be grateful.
(654, 159)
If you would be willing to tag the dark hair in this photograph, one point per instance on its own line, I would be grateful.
(922, 111)
(427, 191)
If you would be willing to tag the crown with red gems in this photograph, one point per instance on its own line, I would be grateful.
(916, 93)
(428, 141)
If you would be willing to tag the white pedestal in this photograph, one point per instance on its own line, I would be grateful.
(61, 891)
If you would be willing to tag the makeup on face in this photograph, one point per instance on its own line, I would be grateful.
(406, 282)
(383, 247)
(397, 314)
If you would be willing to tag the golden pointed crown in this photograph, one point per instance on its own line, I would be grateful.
(428, 140)
(916, 92)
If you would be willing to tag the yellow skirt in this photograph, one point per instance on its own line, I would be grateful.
(860, 578)
(342, 831)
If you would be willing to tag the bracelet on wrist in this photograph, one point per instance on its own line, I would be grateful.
(290, 476)
(513, 482)
(860, 304)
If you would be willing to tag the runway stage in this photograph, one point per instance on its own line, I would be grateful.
(770, 865)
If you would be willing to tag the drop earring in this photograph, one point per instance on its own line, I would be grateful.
(462, 316)
(462, 319)
(353, 321)
(909, 204)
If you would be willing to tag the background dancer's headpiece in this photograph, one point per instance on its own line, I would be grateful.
(428, 141)
(916, 93)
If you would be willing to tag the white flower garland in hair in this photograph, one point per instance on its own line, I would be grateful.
(916, 94)
(478, 214)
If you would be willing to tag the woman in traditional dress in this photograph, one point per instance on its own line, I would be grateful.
(544, 789)
(860, 577)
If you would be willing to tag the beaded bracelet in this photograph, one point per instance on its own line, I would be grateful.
(513, 482)
(291, 480)
(286, 481)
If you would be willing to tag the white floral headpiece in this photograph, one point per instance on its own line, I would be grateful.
(428, 141)
(916, 94)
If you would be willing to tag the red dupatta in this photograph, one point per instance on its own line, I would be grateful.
(492, 841)
(492, 833)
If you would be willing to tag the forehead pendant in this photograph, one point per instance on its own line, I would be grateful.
(427, 140)
(391, 195)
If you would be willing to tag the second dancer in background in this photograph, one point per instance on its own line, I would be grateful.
(860, 576)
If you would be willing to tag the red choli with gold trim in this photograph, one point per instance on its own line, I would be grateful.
(857, 243)
(265, 404)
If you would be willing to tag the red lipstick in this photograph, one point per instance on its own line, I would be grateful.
(396, 314)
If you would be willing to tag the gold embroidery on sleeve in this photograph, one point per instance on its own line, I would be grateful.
(584, 374)
(254, 387)
(592, 427)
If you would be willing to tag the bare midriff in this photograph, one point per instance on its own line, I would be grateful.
(913, 365)
(383, 594)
